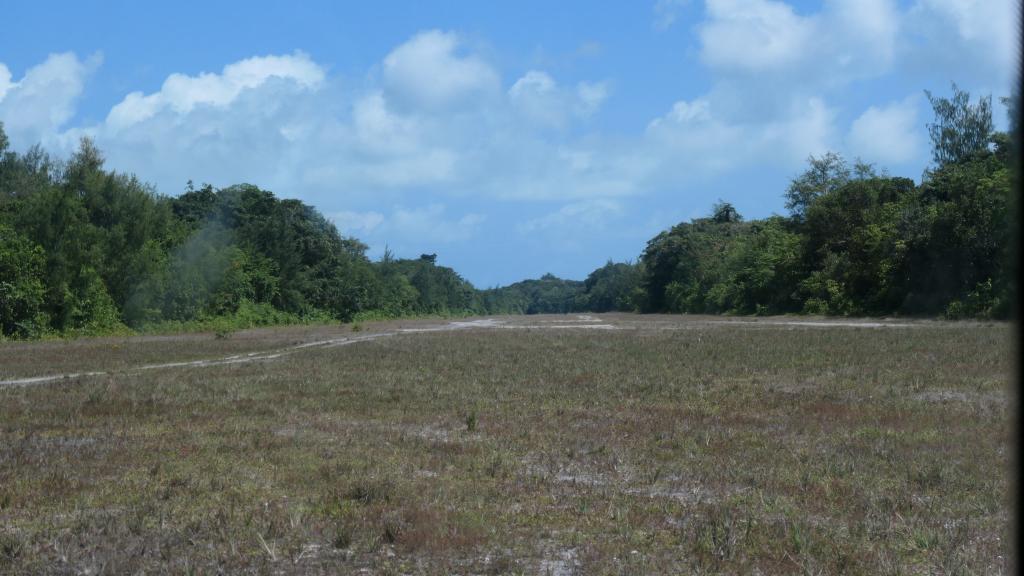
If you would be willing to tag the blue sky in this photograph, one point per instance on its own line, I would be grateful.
(513, 138)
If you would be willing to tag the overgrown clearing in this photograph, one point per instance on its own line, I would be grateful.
(663, 444)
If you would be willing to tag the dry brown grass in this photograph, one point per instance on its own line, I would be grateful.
(670, 445)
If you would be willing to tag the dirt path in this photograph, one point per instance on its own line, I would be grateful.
(578, 322)
(260, 356)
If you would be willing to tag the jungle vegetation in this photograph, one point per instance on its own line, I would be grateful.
(86, 250)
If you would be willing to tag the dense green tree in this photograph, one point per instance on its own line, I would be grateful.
(21, 284)
(682, 264)
(546, 295)
(960, 129)
(84, 249)
(824, 175)
(611, 287)
(851, 237)
(723, 212)
(439, 289)
(858, 242)
(762, 267)
(962, 255)
(395, 294)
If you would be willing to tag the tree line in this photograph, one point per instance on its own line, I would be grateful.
(86, 250)
(856, 241)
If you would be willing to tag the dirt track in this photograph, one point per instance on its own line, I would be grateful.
(546, 322)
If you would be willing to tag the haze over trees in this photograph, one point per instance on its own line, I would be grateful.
(86, 250)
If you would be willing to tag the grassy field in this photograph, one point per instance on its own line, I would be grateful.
(556, 445)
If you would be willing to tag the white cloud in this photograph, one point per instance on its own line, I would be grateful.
(846, 40)
(182, 93)
(767, 44)
(433, 225)
(279, 122)
(431, 123)
(978, 38)
(684, 112)
(540, 100)
(396, 146)
(754, 35)
(693, 141)
(890, 134)
(5, 80)
(537, 97)
(863, 31)
(426, 72)
(993, 22)
(43, 100)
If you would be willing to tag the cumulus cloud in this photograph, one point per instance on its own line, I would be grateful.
(5, 80)
(182, 93)
(978, 38)
(890, 134)
(539, 99)
(754, 35)
(261, 131)
(990, 22)
(428, 72)
(536, 96)
(850, 40)
(396, 149)
(281, 122)
(847, 39)
(693, 133)
(39, 104)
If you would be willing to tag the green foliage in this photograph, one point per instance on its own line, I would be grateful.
(723, 212)
(854, 248)
(546, 295)
(420, 286)
(683, 264)
(964, 238)
(860, 244)
(21, 284)
(90, 309)
(247, 315)
(961, 129)
(84, 250)
(761, 268)
(823, 175)
(611, 287)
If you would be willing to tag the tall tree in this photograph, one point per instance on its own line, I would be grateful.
(824, 175)
(961, 129)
